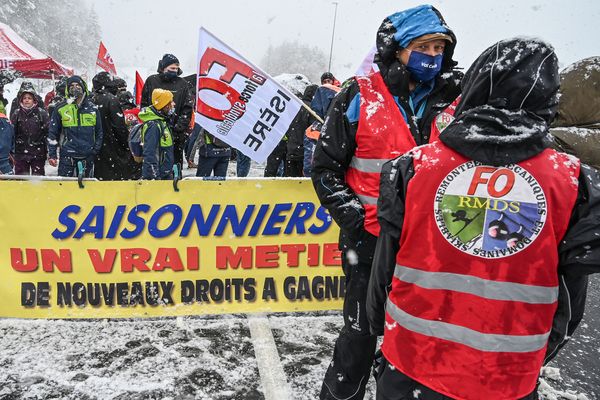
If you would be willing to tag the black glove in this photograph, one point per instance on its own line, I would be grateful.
(378, 364)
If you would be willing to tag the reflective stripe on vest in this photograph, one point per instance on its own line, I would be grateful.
(468, 337)
(367, 200)
(489, 289)
(475, 287)
(368, 164)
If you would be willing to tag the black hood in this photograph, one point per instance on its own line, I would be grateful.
(102, 80)
(80, 81)
(309, 93)
(509, 98)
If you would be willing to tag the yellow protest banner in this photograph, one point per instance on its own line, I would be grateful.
(140, 249)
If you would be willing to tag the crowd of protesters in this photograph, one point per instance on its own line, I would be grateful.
(85, 132)
(381, 189)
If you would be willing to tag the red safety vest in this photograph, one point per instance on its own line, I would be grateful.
(475, 286)
(382, 135)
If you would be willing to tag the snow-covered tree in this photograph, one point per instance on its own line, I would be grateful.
(294, 57)
(66, 30)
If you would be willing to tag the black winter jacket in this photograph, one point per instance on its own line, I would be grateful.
(182, 96)
(295, 133)
(114, 162)
(31, 131)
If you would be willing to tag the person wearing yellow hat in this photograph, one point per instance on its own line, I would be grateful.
(157, 139)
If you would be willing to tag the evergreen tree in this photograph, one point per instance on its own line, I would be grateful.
(294, 57)
(66, 30)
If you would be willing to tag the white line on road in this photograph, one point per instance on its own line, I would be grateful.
(273, 378)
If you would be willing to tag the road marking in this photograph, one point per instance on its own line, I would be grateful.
(274, 381)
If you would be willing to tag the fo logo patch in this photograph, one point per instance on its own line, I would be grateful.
(443, 120)
(490, 212)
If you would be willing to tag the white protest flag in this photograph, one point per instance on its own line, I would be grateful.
(368, 66)
(238, 102)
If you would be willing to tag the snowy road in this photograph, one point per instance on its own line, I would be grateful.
(579, 360)
(216, 358)
(211, 358)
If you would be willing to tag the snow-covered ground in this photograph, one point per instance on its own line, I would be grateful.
(276, 356)
(176, 358)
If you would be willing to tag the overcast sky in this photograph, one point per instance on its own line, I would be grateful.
(138, 32)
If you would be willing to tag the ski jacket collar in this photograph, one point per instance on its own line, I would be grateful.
(149, 114)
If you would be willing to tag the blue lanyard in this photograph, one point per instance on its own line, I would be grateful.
(421, 110)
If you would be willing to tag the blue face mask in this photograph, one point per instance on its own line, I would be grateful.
(423, 67)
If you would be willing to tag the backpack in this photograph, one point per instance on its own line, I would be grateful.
(136, 142)
(136, 139)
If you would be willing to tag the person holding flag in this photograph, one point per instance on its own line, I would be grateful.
(372, 120)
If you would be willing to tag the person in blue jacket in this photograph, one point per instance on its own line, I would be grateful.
(320, 104)
(157, 137)
(7, 140)
(75, 127)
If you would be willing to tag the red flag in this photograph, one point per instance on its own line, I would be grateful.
(137, 89)
(105, 61)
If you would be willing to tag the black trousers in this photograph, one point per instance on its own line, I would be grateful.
(178, 146)
(275, 159)
(349, 371)
(394, 385)
(293, 168)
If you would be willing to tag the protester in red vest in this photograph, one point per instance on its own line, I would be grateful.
(372, 120)
(478, 232)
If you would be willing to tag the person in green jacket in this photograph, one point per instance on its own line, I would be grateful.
(75, 128)
(157, 138)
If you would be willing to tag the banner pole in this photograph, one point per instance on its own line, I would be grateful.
(311, 112)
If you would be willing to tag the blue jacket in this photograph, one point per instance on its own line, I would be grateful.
(76, 129)
(7, 142)
(321, 101)
(157, 143)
